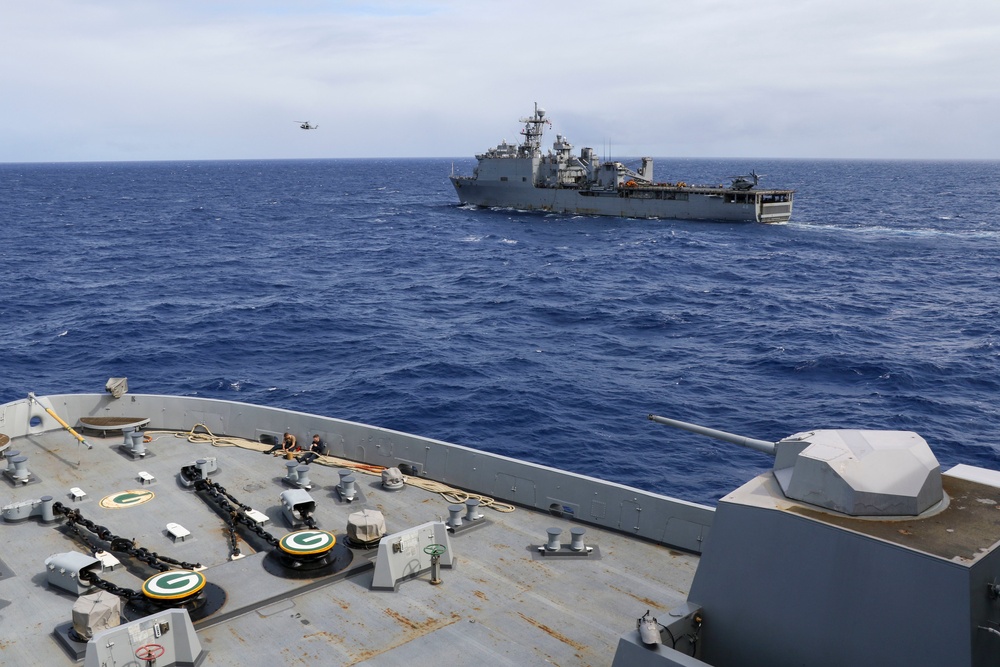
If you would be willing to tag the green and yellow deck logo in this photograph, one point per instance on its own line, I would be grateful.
(128, 498)
(173, 584)
(305, 542)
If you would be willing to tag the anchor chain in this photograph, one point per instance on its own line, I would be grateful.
(232, 509)
(75, 520)
(235, 513)
(127, 593)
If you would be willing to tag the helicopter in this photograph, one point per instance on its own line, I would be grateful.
(745, 182)
(304, 124)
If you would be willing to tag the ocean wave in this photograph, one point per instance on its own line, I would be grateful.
(360, 289)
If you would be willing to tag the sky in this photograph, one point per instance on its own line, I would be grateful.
(107, 80)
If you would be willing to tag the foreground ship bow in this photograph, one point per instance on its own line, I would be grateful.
(521, 177)
(157, 534)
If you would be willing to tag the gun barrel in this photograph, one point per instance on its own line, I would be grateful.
(752, 443)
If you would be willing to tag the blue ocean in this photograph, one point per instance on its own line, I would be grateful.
(361, 289)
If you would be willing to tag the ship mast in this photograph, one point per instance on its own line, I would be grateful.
(533, 128)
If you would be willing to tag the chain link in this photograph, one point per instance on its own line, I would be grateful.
(234, 512)
(118, 544)
(127, 593)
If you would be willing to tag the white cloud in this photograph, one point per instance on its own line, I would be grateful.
(199, 80)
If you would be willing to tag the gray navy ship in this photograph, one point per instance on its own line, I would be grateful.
(145, 530)
(521, 177)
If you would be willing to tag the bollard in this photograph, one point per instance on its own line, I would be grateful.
(347, 490)
(554, 534)
(48, 514)
(471, 507)
(20, 467)
(292, 474)
(455, 515)
(303, 475)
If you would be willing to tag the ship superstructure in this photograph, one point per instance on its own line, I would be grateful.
(522, 177)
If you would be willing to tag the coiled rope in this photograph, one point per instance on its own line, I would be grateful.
(449, 493)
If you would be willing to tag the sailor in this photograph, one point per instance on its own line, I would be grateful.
(287, 446)
(316, 449)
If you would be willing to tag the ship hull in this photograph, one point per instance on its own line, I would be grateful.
(657, 202)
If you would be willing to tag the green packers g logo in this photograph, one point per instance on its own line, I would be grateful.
(305, 542)
(126, 499)
(173, 584)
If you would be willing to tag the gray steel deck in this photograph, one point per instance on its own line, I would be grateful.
(497, 606)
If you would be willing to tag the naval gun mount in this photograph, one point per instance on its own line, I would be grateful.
(855, 550)
(855, 472)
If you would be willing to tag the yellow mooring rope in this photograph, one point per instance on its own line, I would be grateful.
(449, 493)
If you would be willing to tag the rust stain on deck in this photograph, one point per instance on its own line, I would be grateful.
(418, 630)
(404, 620)
(552, 633)
(327, 636)
(646, 601)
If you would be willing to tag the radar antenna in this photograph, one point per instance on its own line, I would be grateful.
(533, 128)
